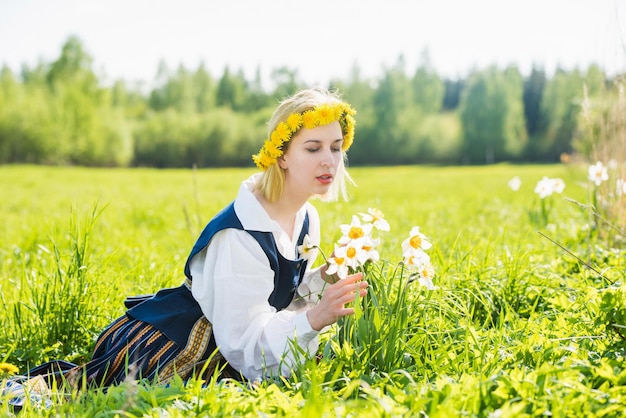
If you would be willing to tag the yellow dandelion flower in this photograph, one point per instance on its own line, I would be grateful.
(8, 368)
(294, 122)
(272, 150)
(282, 131)
(326, 115)
(262, 160)
(309, 120)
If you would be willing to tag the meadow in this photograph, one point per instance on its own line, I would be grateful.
(525, 320)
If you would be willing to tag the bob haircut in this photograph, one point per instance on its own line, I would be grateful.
(272, 181)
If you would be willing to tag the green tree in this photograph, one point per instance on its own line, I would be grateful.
(492, 116)
(452, 93)
(560, 106)
(533, 93)
(131, 100)
(256, 97)
(231, 90)
(428, 89)
(285, 82)
(159, 99)
(86, 128)
(74, 67)
(391, 100)
(204, 88)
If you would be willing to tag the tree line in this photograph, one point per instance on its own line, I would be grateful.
(61, 113)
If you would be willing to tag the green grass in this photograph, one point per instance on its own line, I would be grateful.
(518, 327)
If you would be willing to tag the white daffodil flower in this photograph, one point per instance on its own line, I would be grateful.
(544, 187)
(354, 230)
(598, 173)
(426, 274)
(515, 183)
(353, 253)
(415, 240)
(416, 258)
(376, 218)
(558, 185)
(307, 249)
(369, 246)
(337, 265)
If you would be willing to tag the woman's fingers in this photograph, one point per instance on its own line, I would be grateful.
(334, 300)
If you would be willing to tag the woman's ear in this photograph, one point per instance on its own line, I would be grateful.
(281, 162)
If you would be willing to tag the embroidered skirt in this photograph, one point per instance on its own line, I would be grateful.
(130, 348)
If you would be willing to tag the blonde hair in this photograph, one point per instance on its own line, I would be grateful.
(272, 181)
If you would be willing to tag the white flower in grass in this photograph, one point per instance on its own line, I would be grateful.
(515, 183)
(416, 240)
(544, 187)
(354, 230)
(307, 249)
(369, 246)
(419, 262)
(598, 173)
(558, 185)
(376, 218)
(426, 275)
(620, 187)
(415, 258)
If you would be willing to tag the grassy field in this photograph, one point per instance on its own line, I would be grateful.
(517, 327)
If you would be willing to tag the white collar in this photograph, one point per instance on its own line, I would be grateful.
(252, 214)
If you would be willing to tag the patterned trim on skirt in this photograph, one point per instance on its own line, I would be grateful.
(135, 349)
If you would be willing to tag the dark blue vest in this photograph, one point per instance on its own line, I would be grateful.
(174, 311)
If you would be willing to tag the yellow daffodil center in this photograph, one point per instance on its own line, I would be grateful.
(356, 232)
(339, 260)
(321, 115)
(351, 252)
(376, 215)
(416, 241)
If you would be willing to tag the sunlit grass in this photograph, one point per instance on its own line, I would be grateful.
(517, 325)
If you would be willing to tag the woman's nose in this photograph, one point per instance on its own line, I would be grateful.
(328, 159)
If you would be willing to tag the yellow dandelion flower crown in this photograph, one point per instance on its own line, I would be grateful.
(320, 115)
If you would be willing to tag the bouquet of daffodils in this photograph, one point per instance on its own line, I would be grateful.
(357, 247)
(376, 338)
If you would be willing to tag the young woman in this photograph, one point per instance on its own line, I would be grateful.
(250, 293)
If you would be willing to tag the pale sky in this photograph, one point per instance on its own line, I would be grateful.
(321, 39)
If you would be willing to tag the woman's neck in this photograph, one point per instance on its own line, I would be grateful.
(283, 211)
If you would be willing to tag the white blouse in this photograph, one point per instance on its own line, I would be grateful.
(232, 281)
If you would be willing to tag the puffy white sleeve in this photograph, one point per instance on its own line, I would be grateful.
(232, 281)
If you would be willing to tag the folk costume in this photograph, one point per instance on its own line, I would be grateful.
(241, 307)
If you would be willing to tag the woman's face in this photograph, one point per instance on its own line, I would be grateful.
(312, 160)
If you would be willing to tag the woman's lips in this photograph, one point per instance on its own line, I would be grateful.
(325, 178)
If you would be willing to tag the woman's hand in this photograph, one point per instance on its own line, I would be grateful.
(332, 305)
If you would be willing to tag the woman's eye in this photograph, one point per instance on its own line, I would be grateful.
(312, 149)
(336, 149)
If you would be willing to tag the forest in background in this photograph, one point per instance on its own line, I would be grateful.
(61, 113)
